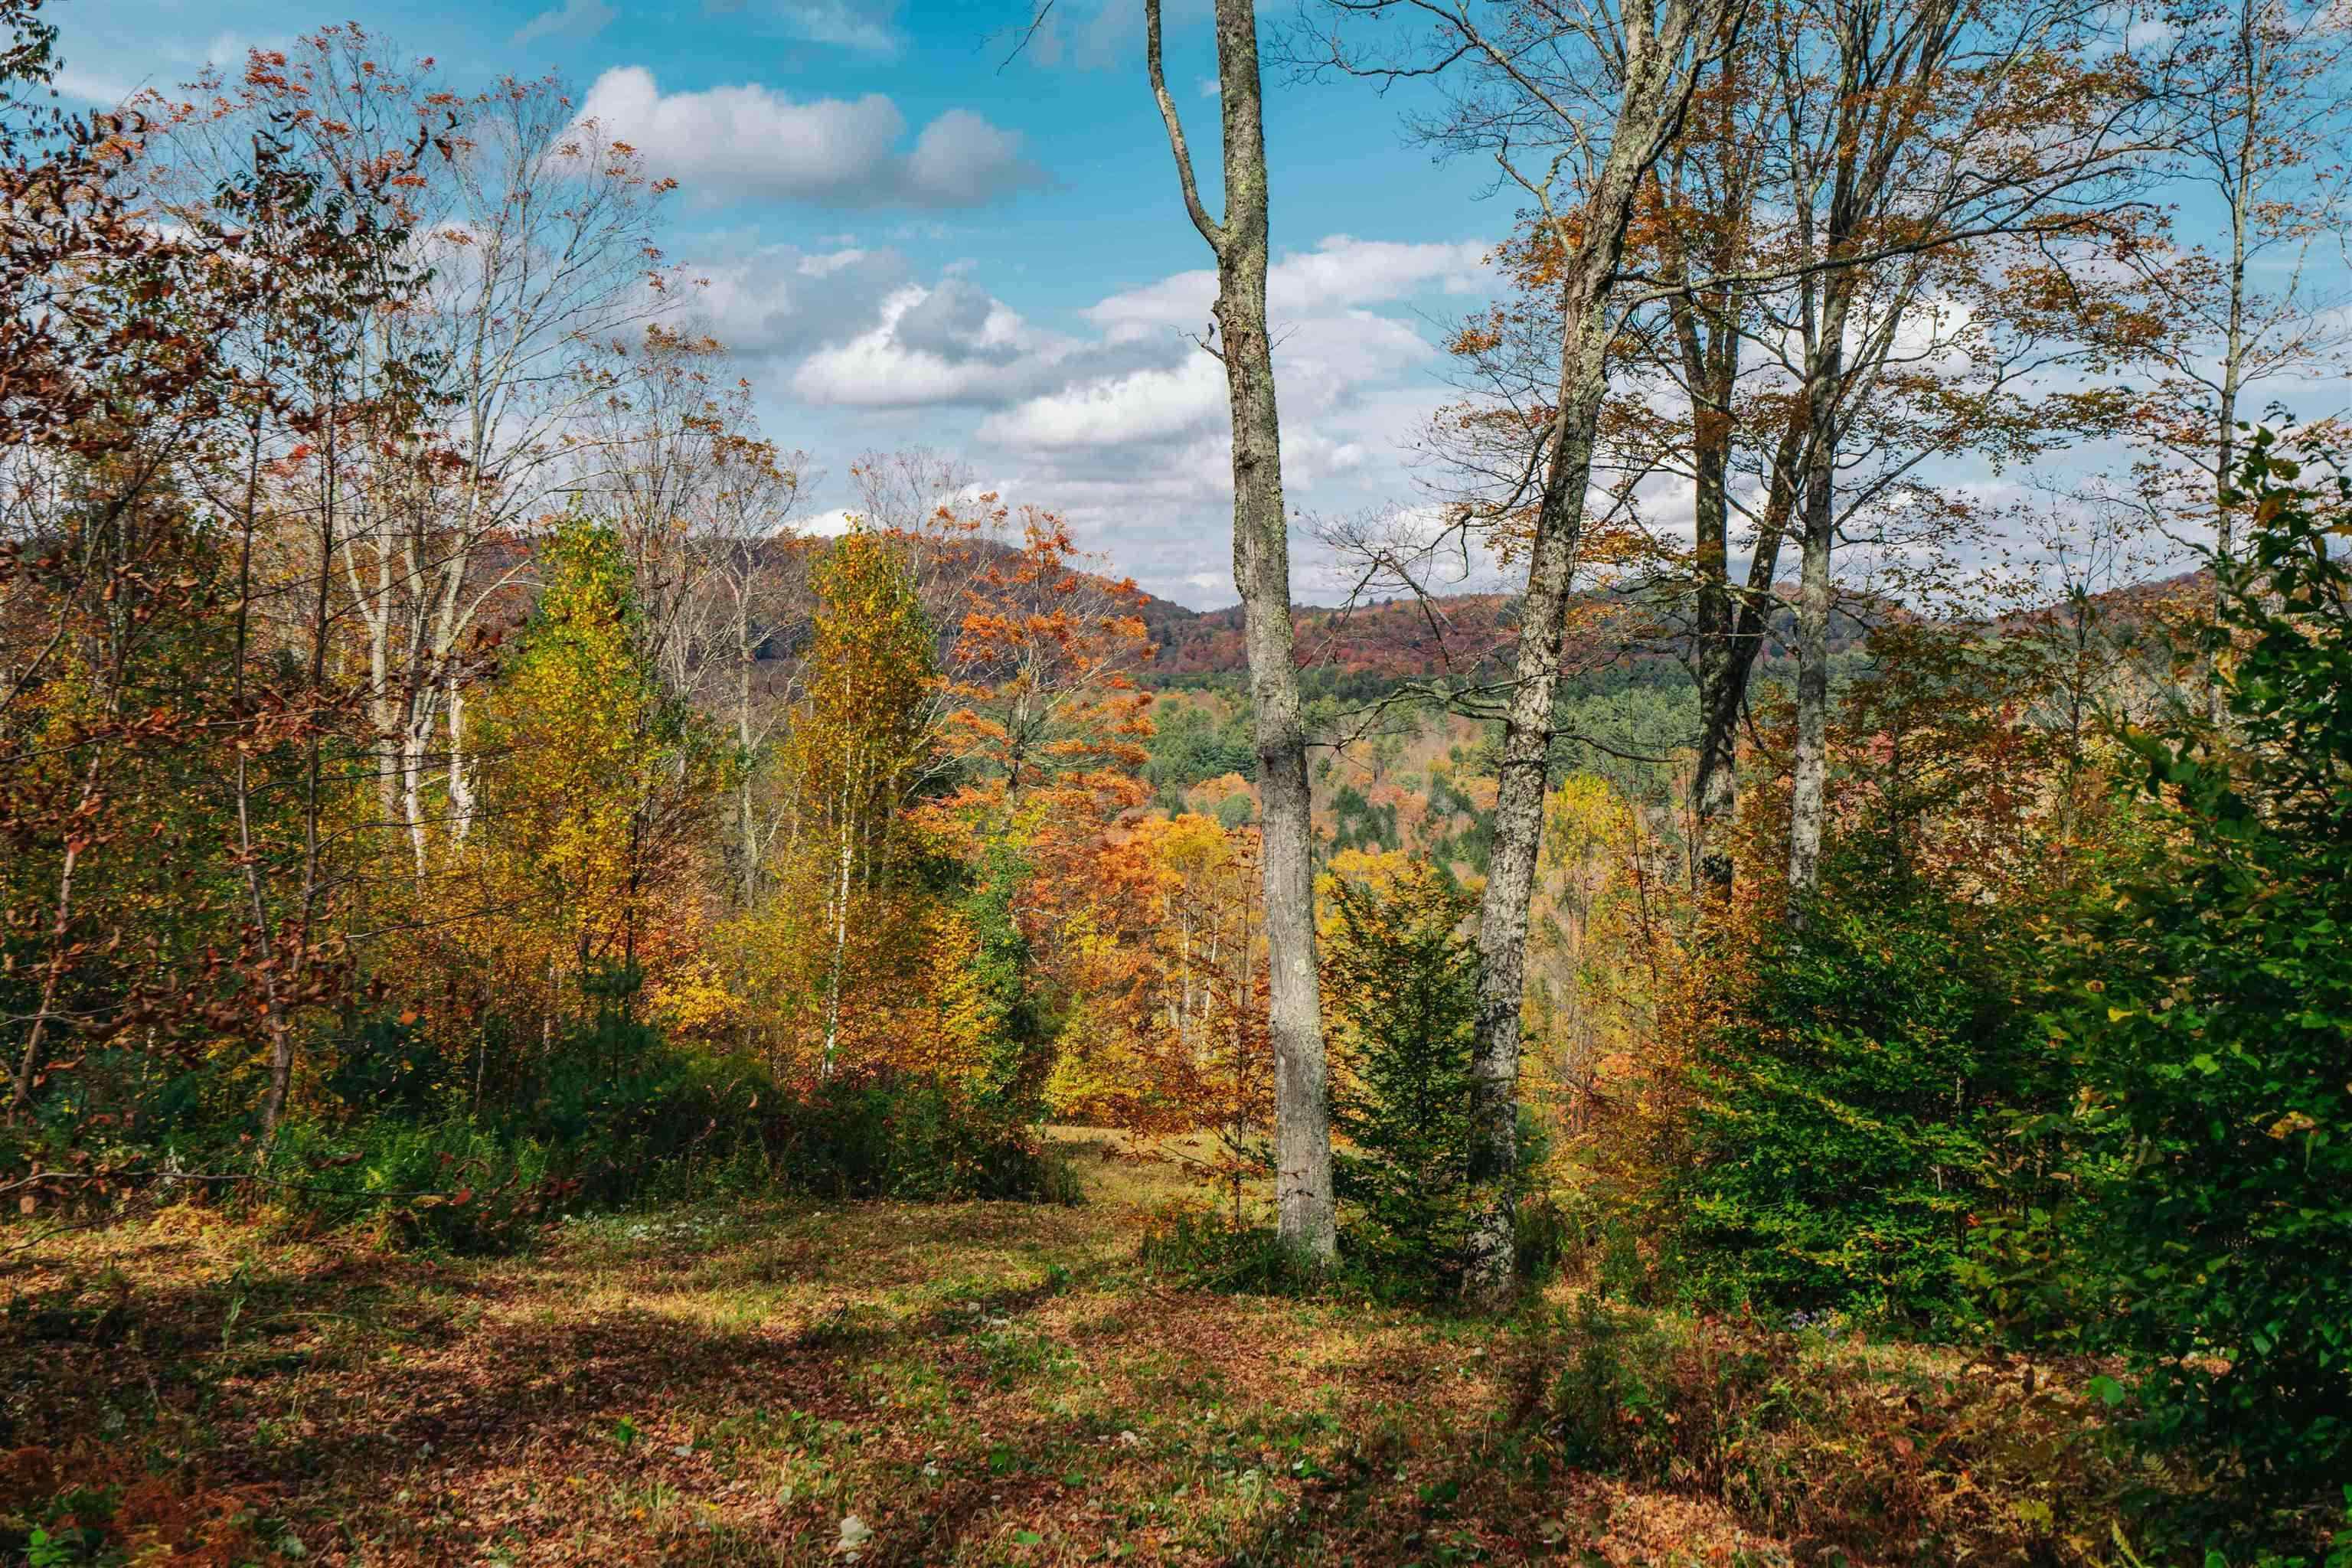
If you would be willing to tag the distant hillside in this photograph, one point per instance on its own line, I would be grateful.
(1406, 639)
(1398, 640)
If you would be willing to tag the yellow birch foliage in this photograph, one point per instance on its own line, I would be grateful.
(849, 926)
(596, 789)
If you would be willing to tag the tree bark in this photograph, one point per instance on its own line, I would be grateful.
(1817, 531)
(1657, 89)
(1306, 1218)
(1808, 792)
(1728, 632)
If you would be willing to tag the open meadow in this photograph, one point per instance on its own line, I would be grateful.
(806, 1382)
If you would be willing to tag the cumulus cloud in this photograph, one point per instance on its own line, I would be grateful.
(1143, 406)
(1120, 423)
(1330, 347)
(947, 344)
(749, 142)
(1339, 272)
(778, 302)
(572, 19)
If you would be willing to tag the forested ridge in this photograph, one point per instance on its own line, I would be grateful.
(556, 1011)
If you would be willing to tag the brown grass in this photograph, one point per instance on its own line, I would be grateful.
(974, 1383)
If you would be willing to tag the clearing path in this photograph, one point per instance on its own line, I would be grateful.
(802, 1381)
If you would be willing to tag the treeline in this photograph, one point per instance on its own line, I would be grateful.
(439, 778)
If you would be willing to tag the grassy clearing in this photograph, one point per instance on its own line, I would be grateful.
(963, 1383)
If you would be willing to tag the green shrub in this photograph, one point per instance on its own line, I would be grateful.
(447, 1185)
(1609, 1403)
(1840, 1152)
(2213, 1014)
(905, 1139)
(1210, 1251)
(621, 1117)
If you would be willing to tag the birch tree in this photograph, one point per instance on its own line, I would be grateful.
(533, 230)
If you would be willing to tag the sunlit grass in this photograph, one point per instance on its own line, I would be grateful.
(797, 1381)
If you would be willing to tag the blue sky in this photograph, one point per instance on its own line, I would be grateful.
(910, 242)
(908, 245)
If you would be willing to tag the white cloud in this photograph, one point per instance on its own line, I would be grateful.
(863, 25)
(1143, 406)
(779, 303)
(1121, 424)
(848, 24)
(1328, 348)
(749, 142)
(1340, 271)
(965, 158)
(831, 523)
(573, 19)
(947, 343)
(91, 87)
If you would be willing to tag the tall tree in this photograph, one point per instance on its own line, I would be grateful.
(1576, 103)
(1262, 573)
(860, 745)
(1864, 250)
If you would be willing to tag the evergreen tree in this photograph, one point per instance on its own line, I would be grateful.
(1403, 983)
(2214, 1014)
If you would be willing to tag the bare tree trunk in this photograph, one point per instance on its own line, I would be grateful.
(1730, 627)
(1306, 1217)
(1808, 789)
(415, 744)
(1720, 675)
(1657, 86)
(2234, 361)
(461, 784)
(746, 821)
(840, 951)
(1519, 838)
(1808, 795)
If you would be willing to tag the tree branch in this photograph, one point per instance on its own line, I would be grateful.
(1211, 230)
